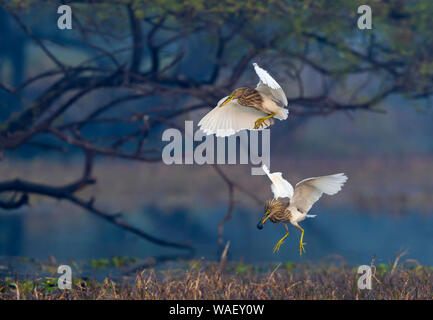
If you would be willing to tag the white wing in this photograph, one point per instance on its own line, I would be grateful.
(281, 188)
(268, 86)
(308, 191)
(230, 118)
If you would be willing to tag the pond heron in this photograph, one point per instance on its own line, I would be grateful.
(301, 199)
(247, 108)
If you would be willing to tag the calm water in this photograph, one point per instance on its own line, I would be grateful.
(354, 236)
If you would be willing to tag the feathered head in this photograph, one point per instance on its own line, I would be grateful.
(274, 210)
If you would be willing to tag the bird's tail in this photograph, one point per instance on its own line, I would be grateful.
(284, 114)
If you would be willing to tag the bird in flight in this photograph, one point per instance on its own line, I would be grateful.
(301, 199)
(247, 108)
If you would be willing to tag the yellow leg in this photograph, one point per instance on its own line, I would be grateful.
(301, 244)
(259, 122)
(279, 243)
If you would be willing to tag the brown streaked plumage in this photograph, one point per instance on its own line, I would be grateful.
(278, 210)
(248, 97)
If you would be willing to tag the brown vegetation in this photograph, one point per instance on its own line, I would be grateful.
(211, 281)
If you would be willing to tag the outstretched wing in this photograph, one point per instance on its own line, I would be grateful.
(308, 191)
(269, 87)
(230, 118)
(281, 188)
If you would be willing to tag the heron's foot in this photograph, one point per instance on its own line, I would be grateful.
(301, 247)
(259, 123)
(278, 245)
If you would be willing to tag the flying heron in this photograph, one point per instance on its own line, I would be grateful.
(301, 199)
(247, 108)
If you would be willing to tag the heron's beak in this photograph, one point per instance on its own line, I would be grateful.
(227, 100)
(263, 220)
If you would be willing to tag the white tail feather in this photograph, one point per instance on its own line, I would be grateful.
(285, 114)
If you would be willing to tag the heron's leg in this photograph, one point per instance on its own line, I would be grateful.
(259, 122)
(279, 243)
(301, 244)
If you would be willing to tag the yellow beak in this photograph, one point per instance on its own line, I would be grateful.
(227, 100)
(267, 216)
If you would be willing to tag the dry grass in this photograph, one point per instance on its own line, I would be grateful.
(209, 281)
